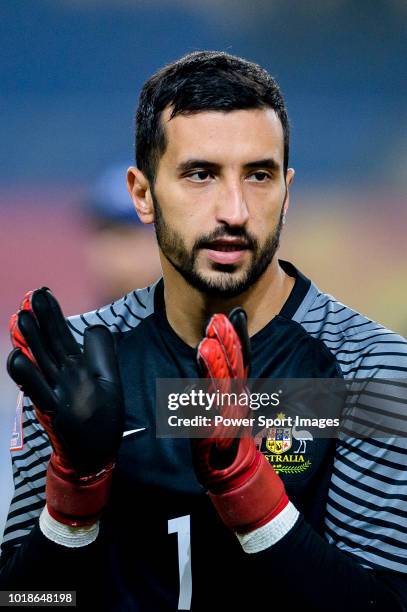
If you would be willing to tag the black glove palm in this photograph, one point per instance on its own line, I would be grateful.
(78, 395)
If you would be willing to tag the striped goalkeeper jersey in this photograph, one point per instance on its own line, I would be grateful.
(161, 544)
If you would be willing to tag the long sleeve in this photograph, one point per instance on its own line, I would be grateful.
(29, 560)
(40, 564)
(317, 576)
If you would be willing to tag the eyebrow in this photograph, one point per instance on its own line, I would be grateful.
(268, 162)
(191, 164)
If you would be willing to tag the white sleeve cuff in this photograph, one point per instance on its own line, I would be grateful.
(271, 532)
(65, 535)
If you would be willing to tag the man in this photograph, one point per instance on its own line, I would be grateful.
(212, 175)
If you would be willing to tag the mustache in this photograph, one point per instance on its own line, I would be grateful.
(223, 232)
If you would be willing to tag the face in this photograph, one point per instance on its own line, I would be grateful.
(219, 197)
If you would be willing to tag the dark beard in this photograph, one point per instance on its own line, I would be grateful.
(173, 247)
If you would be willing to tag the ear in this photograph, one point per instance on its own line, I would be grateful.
(289, 177)
(139, 190)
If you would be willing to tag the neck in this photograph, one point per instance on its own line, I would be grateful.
(188, 309)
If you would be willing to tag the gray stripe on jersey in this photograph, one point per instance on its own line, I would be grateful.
(343, 511)
(372, 467)
(369, 481)
(349, 494)
(370, 559)
(38, 484)
(120, 316)
(30, 463)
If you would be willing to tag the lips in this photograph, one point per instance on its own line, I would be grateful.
(227, 245)
(226, 251)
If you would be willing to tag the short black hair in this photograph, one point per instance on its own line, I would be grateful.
(201, 81)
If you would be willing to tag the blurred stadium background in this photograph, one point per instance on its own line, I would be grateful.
(70, 74)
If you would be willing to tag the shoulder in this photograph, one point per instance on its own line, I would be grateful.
(360, 345)
(120, 316)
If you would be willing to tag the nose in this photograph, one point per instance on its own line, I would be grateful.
(231, 207)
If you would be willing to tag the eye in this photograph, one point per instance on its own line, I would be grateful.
(259, 177)
(199, 176)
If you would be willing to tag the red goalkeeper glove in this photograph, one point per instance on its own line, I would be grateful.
(78, 400)
(243, 486)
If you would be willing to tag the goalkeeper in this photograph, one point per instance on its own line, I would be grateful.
(134, 522)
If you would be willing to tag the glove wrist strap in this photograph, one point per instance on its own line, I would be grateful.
(255, 502)
(74, 500)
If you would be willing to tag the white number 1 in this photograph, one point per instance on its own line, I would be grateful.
(182, 527)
